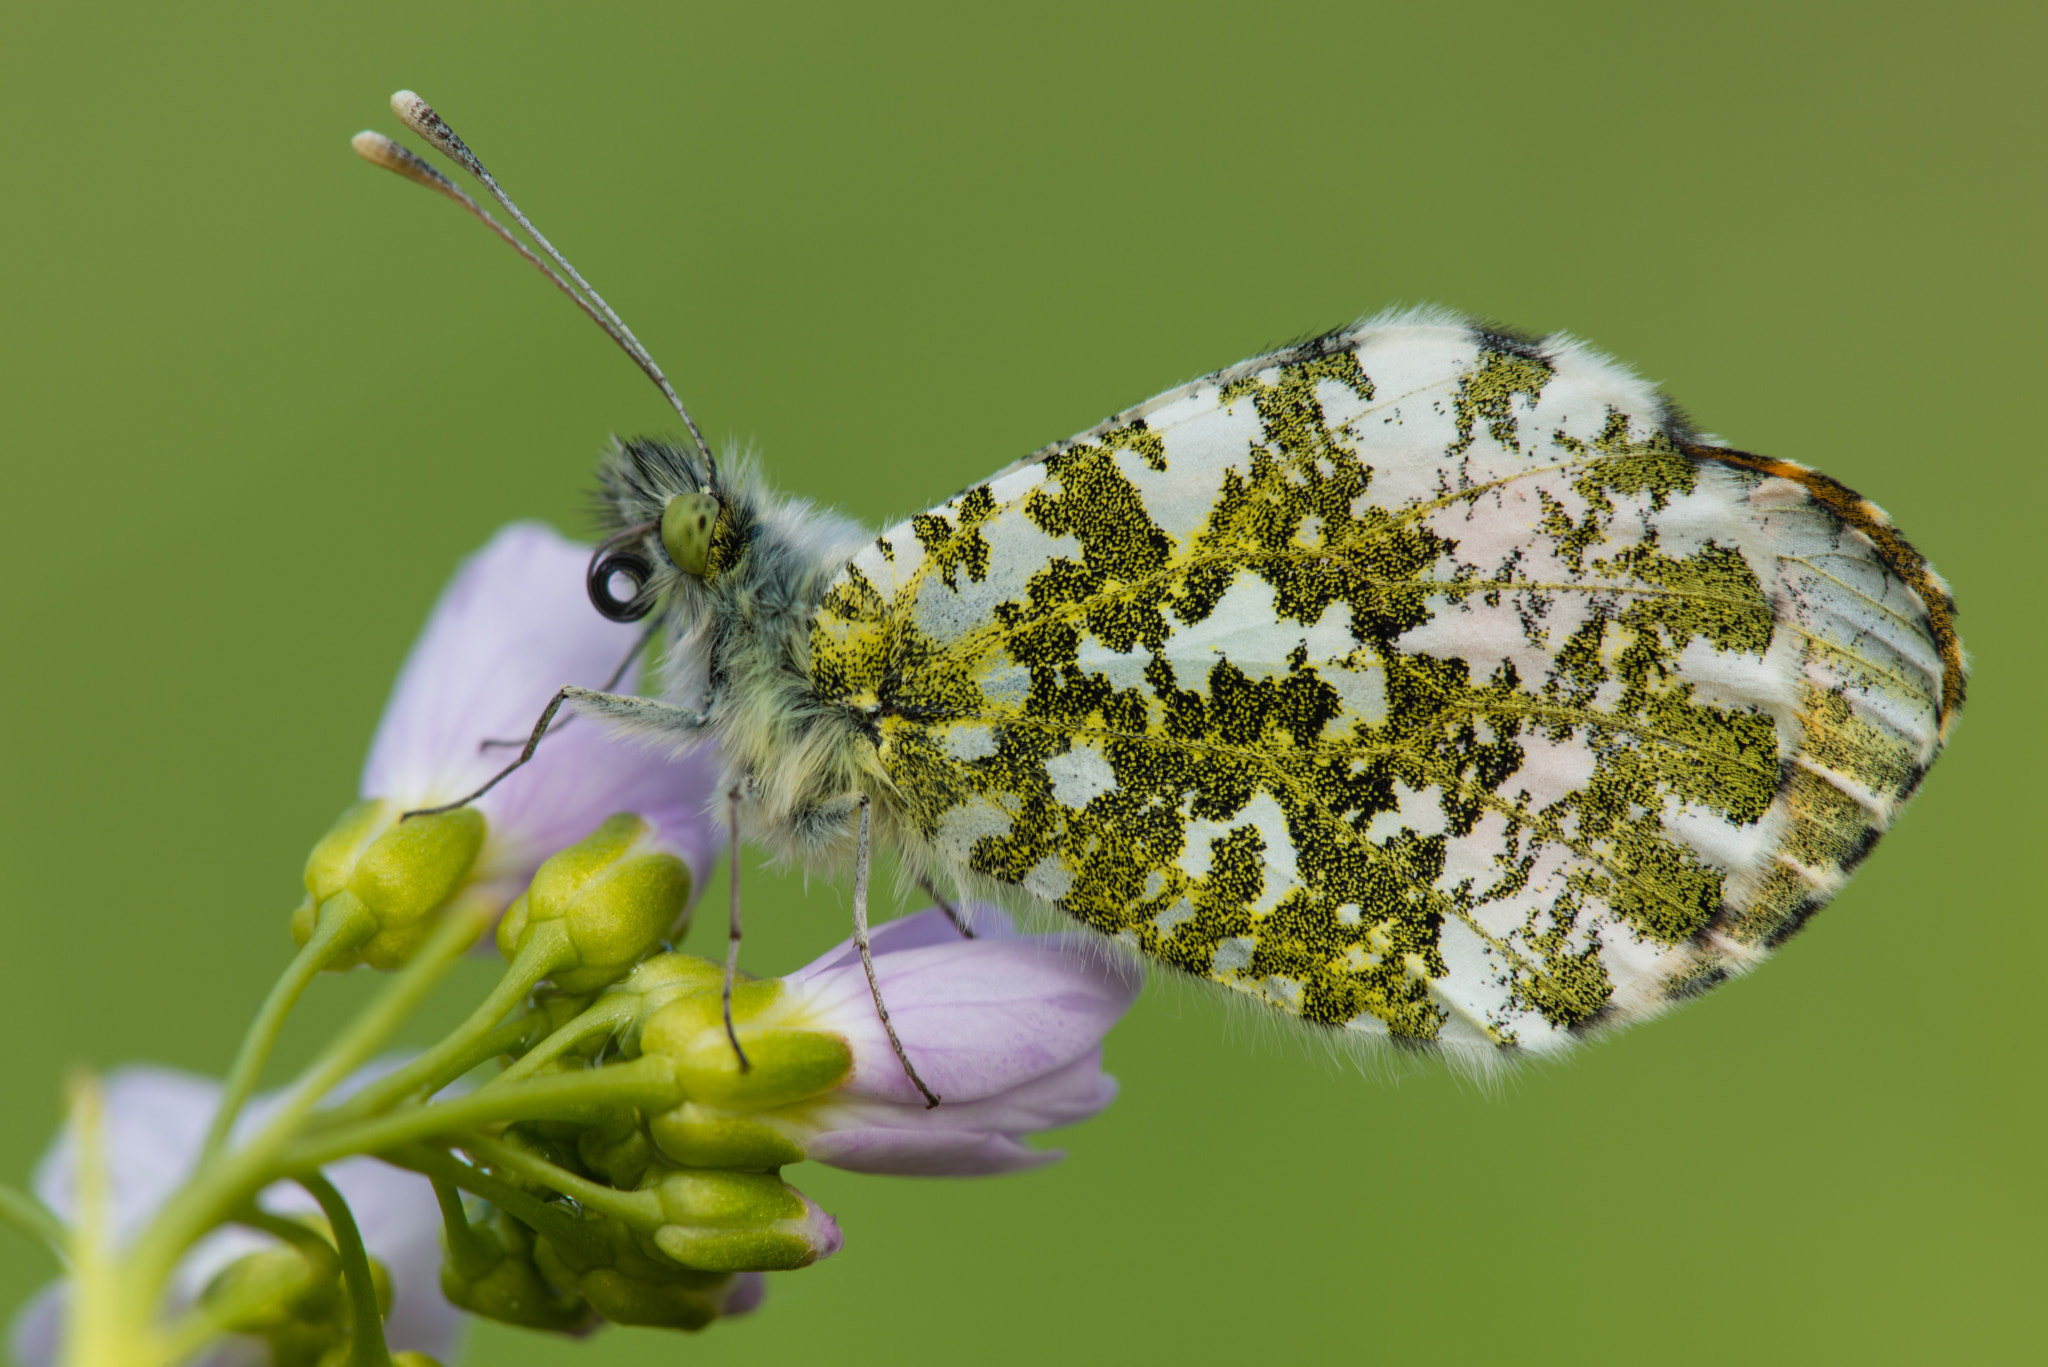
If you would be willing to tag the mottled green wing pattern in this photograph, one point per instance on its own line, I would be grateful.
(1414, 681)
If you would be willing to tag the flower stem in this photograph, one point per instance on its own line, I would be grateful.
(469, 1254)
(448, 1060)
(342, 924)
(557, 1225)
(366, 1338)
(637, 1209)
(32, 1218)
(602, 1017)
(229, 1178)
(648, 1082)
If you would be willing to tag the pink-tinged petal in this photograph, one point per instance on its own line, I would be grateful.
(890, 1152)
(154, 1122)
(977, 1017)
(918, 930)
(512, 628)
(745, 1294)
(968, 1139)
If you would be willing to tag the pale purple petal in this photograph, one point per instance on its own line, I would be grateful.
(511, 628)
(978, 1017)
(154, 1121)
(967, 1139)
(916, 931)
(745, 1294)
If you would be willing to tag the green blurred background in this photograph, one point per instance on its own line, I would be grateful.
(259, 398)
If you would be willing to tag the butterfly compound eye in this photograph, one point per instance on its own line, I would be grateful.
(686, 525)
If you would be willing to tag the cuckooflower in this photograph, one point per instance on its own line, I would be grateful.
(1007, 1029)
(512, 627)
(152, 1127)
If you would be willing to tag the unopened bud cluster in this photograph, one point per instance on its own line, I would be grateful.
(679, 1239)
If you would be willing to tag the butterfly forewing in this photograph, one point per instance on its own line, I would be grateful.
(1415, 680)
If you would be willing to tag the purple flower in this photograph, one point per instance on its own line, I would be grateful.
(154, 1122)
(1007, 1029)
(510, 629)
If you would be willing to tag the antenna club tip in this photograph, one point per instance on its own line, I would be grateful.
(420, 117)
(379, 150)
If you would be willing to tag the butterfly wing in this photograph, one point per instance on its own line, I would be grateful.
(1416, 680)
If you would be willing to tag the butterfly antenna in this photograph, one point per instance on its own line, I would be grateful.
(421, 118)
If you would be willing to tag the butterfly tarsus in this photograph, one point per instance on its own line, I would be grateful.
(540, 728)
(952, 912)
(867, 957)
(732, 939)
(610, 684)
(622, 706)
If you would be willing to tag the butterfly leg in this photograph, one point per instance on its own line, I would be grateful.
(867, 957)
(952, 912)
(732, 937)
(639, 647)
(643, 714)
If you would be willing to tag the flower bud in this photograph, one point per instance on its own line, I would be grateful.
(295, 1303)
(785, 1064)
(627, 1285)
(739, 1221)
(395, 875)
(272, 1287)
(602, 905)
(617, 1150)
(653, 984)
(494, 1275)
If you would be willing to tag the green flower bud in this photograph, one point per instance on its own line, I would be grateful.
(653, 984)
(617, 1151)
(395, 875)
(270, 1288)
(599, 906)
(495, 1276)
(785, 1064)
(296, 1303)
(335, 853)
(626, 1285)
(738, 1221)
(701, 1136)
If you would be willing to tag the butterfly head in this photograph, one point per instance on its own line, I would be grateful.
(670, 528)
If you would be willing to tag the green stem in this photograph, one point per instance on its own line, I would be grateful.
(599, 1018)
(648, 1082)
(316, 1247)
(32, 1218)
(366, 1338)
(544, 953)
(232, 1177)
(469, 1253)
(638, 1209)
(558, 1226)
(343, 923)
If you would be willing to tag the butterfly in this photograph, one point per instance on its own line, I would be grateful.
(1424, 682)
